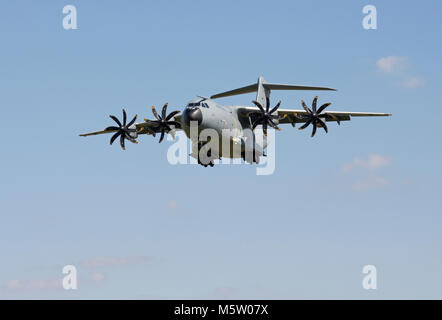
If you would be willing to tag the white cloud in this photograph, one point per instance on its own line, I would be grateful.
(225, 292)
(45, 284)
(113, 261)
(172, 205)
(395, 64)
(412, 82)
(373, 162)
(41, 284)
(392, 64)
(372, 182)
(97, 277)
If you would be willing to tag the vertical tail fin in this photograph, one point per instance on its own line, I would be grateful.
(262, 92)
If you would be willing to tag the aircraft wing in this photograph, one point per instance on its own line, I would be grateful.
(296, 116)
(146, 127)
(96, 133)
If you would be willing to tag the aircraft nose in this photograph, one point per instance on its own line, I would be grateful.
(192, 114)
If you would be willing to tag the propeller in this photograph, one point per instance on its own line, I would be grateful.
(314, 116)
(124, 131)
(163, 122)
(266, 117)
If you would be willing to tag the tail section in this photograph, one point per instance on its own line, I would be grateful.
(263, 89)
(262, 92)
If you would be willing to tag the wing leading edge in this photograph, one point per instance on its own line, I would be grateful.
(145, 127)
(296, 116)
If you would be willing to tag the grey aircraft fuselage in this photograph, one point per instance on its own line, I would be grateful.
(227, 123)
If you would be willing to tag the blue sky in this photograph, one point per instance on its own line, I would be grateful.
(137, 227)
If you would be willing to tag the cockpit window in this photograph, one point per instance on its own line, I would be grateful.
(197, 104)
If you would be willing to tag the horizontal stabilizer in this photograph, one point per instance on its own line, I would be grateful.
(268, 86)
(274, 86)
(247, 89)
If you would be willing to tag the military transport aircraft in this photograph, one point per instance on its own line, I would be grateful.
(208, 114)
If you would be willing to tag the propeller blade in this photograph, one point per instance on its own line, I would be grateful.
(314, 129)
(174, 123)
(305, 107)
(315, 100)
(258, 105)
(132, 121)
(127, 135)
(162, 135)
(116, 120)
(325, 105)
(163, 112)
(323, 125)
(131, 139)
(275, 107)
(115, 136)
(124, 118)
(155, 113)
(122, 142)
(256, 123)
(267, 104)
(305, 125)
(273, 125)
(171, 115)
